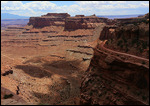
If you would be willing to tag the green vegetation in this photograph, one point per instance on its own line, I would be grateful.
(144, 45)
(138, 43)
(140, 50)
(42, 104)
(8, 96)
(107, 97)
(135, 41)
(128, 87)
(121, 46)
(143, 62)
(111, 40)
(119, 42)
(145, 21)
(139, 93)
(123, 38)
(107, 42)
(144, 98)
(127, 50)
(105, 92)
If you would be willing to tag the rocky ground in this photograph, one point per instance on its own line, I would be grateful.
(47, 66)
(61, 60)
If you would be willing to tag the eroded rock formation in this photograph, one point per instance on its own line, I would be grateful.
(112, 81)
(114, 78)
(48, 20)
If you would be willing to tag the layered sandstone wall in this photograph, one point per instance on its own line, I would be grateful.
(112, 81)
(39, 22)
(48, 20)
(132, 20)
(107, 33)
(81, 22)
(62, 15)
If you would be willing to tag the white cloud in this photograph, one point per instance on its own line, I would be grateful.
(144, 4)
(37, 8)
(40, 5)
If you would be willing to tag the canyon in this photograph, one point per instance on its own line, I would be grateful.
(57, 59)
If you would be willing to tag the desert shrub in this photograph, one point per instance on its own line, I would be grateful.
(119, 42)
(145, 21)
(134, 41)
(144, 45)
(143, 62)
(141, 50)
(139, 93)
(107, 42)
(127, 50)
(124, 39)
(111, 40)
(138, 43)
(121, 46)
(42, 104)
(144, 98)
(142, 82)
(128, 87)
(8, 96)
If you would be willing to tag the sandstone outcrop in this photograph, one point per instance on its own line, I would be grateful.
(107, 33)
(61, 15)
(82, 22)
(48, 20)
(132, 20)
(112, 77)
(111, 81)
(132, 37)
(53, 52)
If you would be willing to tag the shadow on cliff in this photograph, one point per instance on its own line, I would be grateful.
(60, 67)
(5, 91)
(34, 71)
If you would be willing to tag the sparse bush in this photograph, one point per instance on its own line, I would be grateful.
(144, 98)
(107, 42)
(111, 40)
(144, 45)
(121, 46)
(119, 42)
(138, 93)
(127, 50)
(128, 87)
(138, 43)
(123, 38)
(141, 50)
(8, 96)
(143, 62)
(133, 41)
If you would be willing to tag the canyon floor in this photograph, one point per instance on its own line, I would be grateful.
(46, 69)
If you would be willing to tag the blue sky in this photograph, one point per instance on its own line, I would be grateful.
(38, 8)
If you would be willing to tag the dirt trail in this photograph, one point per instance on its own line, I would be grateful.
(103, 43)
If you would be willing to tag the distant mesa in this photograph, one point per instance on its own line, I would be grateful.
(61, 15)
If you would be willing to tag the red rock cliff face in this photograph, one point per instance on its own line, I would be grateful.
(111, 81)
(81, 22)
(132, 20)
(47, 20)
(62, 15)
(107, 33)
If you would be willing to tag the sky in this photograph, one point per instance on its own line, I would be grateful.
(38, 8)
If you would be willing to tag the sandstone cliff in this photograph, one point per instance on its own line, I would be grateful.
(83, 22)
(107, 32)
(114, 78)
(132, 38)
(112, 81)
(48, 20)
